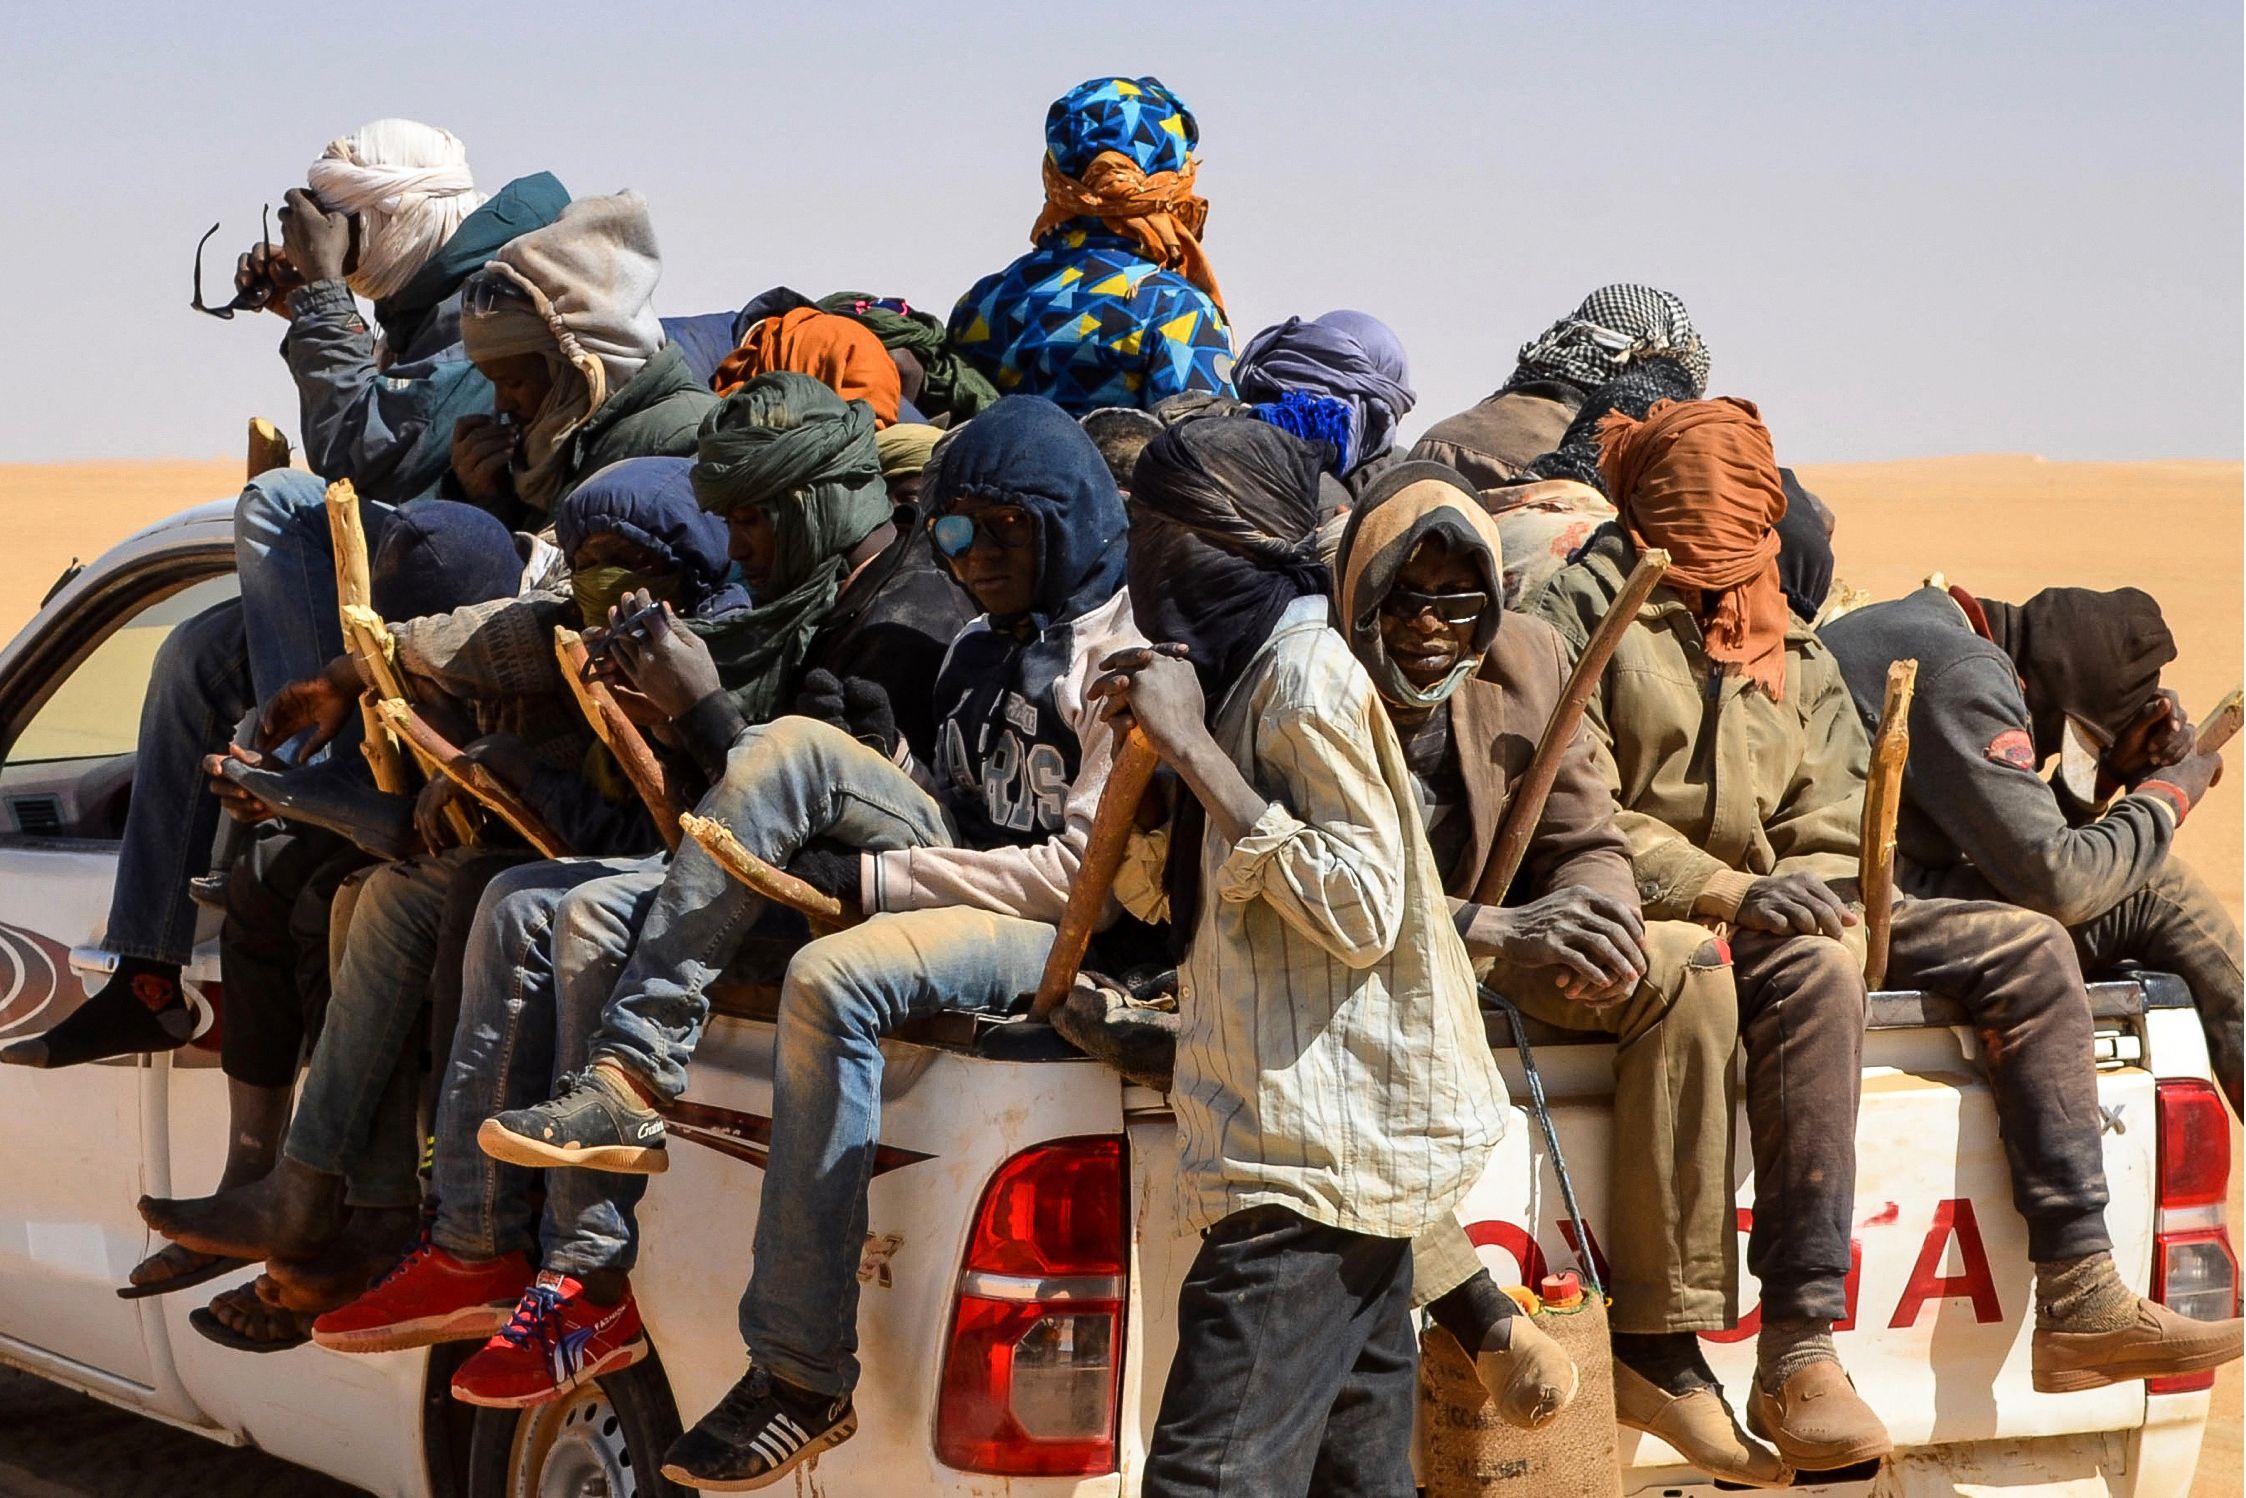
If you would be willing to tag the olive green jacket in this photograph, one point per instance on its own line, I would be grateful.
(1718, 784)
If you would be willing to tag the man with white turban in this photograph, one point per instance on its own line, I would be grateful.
(391, 213)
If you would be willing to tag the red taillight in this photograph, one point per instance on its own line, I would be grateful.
(1031, 1373)
(2194, 1269)
(2194, 1145)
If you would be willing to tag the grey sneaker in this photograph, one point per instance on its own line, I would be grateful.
(598, 1123)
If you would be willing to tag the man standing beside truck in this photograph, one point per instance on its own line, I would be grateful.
(2002, 688)
(1334, 1092)
(1739, 759)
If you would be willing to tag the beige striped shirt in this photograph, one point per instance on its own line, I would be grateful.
(1331, 1059)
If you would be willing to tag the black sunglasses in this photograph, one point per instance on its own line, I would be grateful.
(1010, 529)
(258, 294)
(1451, 608)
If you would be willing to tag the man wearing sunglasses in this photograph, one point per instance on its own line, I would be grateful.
(1470, 689)
(2002, 689)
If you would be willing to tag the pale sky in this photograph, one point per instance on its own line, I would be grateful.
(1903, 229)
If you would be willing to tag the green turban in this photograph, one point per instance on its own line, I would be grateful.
(792, 447)
(953, 388)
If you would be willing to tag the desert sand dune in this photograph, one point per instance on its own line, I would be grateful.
(2002, 525)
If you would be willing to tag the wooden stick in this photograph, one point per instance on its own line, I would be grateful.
(353, 590)
(776, 885)
(1526, 805)
(619, 734)
(2221, 726)
(371, 642)
(1883, 797)
(477, 780)
(1127, 780)
(268, 449)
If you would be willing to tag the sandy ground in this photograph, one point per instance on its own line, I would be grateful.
(2001, 525)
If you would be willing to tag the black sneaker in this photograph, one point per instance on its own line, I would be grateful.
(762, 1430)
(598, 1123)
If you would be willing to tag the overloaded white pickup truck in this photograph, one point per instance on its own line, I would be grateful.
(1009, 1347)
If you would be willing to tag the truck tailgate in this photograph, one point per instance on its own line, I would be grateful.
(1942, 1297)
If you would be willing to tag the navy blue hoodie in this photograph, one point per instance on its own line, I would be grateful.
(1020, 755)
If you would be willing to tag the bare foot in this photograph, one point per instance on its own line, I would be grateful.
(294, 1212)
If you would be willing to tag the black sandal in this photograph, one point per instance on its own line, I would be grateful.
(205, 1321)
(208, 1267)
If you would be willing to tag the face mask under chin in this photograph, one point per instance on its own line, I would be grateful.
(2079, 753)
(598, 589)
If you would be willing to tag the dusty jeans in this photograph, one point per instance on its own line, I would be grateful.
(547, 943)
(2016, 974)
(785, 783)
(1801, 1016)
(842, 993)
(1669, 1240)
(355, 1114)
(2177, 925)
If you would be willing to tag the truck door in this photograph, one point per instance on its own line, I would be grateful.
(70, 1141)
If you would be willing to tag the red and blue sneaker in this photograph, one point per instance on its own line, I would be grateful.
(430, 1297)
(557, 1340)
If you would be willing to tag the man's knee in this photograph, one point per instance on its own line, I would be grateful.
(591, 920)
(767, 747)
(834, 986)
(277, 499)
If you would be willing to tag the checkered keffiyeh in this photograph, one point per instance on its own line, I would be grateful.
(1615, 327)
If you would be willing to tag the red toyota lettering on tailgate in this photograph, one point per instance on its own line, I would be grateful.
(1953, 1218)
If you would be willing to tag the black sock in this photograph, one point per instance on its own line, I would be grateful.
(605, 1287)
(140, 1009)
(1671, 1361)
(1473, 1310)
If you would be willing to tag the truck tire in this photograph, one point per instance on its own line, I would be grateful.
(602, 1440)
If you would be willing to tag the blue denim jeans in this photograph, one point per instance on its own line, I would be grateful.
(548, 941)
(198, 689)
(355, 1113)
(842, 993)
(209, 672)
(285, 561)
(785, 783)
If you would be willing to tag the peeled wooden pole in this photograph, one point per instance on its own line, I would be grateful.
(370, 641)
(1127, 780)
(268, 449)
(2221, 726)
(619, 735)
(1526, 805)
(477, 780)
(353, 590)
(1883, 797)
(822, 910)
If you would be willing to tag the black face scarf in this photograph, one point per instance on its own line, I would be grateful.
(1222, 515)
(2083, 654)
(1805, 552)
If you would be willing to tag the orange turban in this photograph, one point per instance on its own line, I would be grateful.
(1698, 479)
(1162, 212)
(836, 351)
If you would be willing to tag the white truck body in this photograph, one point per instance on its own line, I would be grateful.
(1938, 1339)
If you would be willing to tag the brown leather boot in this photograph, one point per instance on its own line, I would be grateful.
(2159, 1342)
(1700, 1426)
(1818, 1421)
(1531, 1378)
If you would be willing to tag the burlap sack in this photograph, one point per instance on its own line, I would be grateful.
(1470, 1451)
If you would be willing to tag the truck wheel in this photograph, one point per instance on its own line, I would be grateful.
(601, 1440)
